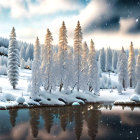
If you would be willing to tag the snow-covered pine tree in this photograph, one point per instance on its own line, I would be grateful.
(22, 63)
(102, 59)
(108, 60)
(122, 70)
(22, 53)
(44, 57)
(114, 61)
(48, 62)
(137, 89)
(77, 55)
(131, 66)
(29, 52)
(84, 68)
(62, 57)
(35, 85)
(93, 74)
(69, 81)
(13, 60)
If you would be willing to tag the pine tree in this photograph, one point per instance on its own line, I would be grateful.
(22, 53)
(131, 66)
(77, 54)
(122, 70)
(13, 60)
(62, 56)
(22, 64)
(108, 60)
(84, 79)
(69, 80)
(48, 62)
(114, 61)
(35, 88)
(102, 59)
(29, 52)
(93, 70)
(137, 89)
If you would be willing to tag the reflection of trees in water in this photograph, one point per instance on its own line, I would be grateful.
(63, 115)
(92, 119)
(34, 121)
(70, 114)
(110, 107)
(78, 122)
(132, 108)
(13, 115)
(48, 118)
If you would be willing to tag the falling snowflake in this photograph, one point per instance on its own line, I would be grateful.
(137, 20)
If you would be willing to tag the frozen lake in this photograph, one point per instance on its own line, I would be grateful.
(98, 121)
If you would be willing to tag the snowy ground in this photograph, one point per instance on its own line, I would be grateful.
(10, 97)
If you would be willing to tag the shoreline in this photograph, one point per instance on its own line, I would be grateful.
(23, 106)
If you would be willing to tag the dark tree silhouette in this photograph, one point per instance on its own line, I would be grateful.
(48, 118)
(34, 121)
(70, 114)
(92, 122)
(78, 122)
(63, 114)
(13, 114)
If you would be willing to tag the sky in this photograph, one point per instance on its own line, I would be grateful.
(110, 23)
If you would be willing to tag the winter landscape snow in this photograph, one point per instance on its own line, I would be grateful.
(69, 69)
(10, 97)
(62, 75)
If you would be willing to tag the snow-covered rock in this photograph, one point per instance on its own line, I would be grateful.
(134, 97)
(2, 98)
(9, 97)
(75, 103)
(20, 100)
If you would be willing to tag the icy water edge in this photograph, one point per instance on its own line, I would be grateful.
(93, 121)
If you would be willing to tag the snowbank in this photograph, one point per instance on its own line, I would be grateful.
(21, 96)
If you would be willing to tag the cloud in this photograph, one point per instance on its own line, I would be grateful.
(135, 29)
(109, 23)
(28, 9)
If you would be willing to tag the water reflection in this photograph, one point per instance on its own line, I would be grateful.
(34, 121)
(67, 123)
(13, 115)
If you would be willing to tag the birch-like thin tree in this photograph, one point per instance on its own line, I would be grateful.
(114, 61)
(122, 70)
(93, 70)
(36, 79)
(13, 60)
(102, 60)
(108, 60)
(77, 54)
(69, 81)
(48, 62)
(84, 79)
(131, 66)
(62, 56)
(137, 89)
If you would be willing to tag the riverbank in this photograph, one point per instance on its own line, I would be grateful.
(20, 97)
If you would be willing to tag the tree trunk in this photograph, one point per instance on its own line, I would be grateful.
(124, 84)
(131, 82)
(61, 85)
(14, 86)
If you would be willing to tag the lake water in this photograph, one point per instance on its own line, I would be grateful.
(98, 121)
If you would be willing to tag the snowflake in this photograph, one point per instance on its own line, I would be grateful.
(137, 20)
